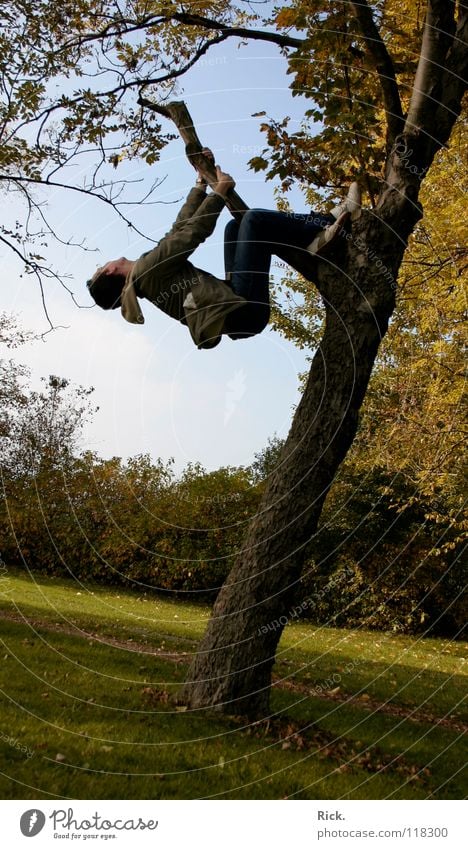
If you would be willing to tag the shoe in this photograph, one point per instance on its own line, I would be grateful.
(351, 203)
(327, 237)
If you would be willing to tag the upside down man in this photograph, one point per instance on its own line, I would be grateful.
(238, 306)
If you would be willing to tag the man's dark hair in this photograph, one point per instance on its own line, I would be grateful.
(106, 290)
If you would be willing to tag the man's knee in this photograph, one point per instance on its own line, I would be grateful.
(247, 321)
(231, 230)
(256, 225)
(253, 216)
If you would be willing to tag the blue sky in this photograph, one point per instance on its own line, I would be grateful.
(156, 392)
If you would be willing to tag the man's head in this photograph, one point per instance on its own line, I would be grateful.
(106, 285)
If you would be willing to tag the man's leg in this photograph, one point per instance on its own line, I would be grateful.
(253, 318)
(250, 244)
(248, 248)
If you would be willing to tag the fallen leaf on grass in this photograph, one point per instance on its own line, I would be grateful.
(153, 695)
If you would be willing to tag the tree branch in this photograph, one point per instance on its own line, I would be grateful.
(384, 67)
(240, 32)
(435, 105)
(171, 75)
(126, 26)
(177, 112)
(124, 86)
(454, 79)
(439, 30)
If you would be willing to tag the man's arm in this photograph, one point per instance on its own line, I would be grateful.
(186, 235)
(195, 197)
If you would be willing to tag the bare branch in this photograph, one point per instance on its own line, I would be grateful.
(384, 67)
(39, 271)
(171, 75)
(93, 192)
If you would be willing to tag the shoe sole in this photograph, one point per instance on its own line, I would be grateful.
(335, 231)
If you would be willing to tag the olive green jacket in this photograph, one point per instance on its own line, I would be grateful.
(165, 276)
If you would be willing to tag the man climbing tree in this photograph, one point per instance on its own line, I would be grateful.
(386, 82)
(209, 306)
(165, 276)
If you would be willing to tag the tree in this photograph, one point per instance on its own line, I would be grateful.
(384, 118)
(40, 434)
(12, 375)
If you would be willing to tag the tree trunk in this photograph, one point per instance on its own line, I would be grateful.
(232, 669)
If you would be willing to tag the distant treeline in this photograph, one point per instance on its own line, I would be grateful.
(136, 524)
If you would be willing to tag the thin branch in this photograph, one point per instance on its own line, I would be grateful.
(384, 67)
(39, 272)
(94, 194)
(171, 75)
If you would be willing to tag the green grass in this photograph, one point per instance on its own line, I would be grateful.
(85, 677)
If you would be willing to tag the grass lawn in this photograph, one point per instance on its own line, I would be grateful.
(88, 673)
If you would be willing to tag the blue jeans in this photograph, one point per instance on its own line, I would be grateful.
(249, 245)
